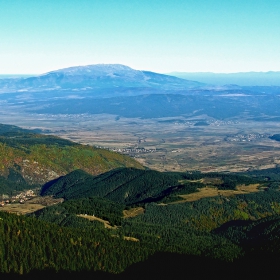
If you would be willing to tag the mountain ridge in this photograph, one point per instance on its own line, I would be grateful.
(96, 76)
(34, 158)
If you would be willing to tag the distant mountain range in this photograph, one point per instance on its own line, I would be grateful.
(96, 77)
(124, 80)
(120, 90)
(242, 78)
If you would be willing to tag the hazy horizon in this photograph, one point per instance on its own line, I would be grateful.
(165, 73)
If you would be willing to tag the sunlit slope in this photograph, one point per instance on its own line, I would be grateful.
(32, 158)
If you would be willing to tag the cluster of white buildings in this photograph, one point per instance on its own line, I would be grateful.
(246, 137)
(133, 150)
(21, 198)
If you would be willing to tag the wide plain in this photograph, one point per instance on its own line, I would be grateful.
(166, 144)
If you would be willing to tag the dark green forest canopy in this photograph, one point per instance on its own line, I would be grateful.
(28, 243)
(10, 130)
(37, 248)
(275, 137)
(66, 212)
(17, 137)
(131, 186)
(194, 228)
(125, 185)
(227, 229)
(270, 174)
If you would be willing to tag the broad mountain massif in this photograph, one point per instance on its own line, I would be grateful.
(124, 218)
(94, 77)
(120, 90)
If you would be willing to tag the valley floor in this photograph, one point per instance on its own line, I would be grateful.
(168, 144)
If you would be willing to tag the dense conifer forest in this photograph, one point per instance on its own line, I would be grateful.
(127, 220)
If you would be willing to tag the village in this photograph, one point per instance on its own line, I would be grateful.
(246, 137)
(22, 197)
(132, 151)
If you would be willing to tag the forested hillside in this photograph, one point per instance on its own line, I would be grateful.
(131, 186)
(126, 185)
(116, 216)
(28, 158)
(223, 231)
(29, 244)
(32, 249)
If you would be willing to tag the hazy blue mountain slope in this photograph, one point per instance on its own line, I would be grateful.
(167, 105)
(96, 77)
(120, 90)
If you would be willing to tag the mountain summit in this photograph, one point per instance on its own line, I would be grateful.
(98, 70)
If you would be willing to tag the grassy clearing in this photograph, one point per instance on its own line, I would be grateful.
(93, 218)
(250, 188)
(22, 209)
(107, 225)
(133, 212)
(131, 238)
(31, 205)
(45, 200)
(212, 181)
(211, 192)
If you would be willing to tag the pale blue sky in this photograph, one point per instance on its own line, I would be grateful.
(38, 36)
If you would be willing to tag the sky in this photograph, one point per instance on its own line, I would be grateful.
(222, 36)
